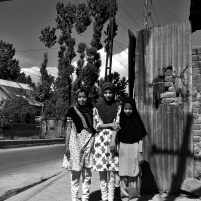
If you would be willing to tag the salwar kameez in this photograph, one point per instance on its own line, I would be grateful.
(130, 150)
(103, 161)
(80, 162)
(129, 171)
(80, 157)
(80, 146)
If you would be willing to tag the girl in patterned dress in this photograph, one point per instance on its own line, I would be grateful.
(79, 144)
(130, 149)
(104, 115)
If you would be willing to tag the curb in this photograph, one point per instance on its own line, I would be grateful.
(32, 188)
(5, 144)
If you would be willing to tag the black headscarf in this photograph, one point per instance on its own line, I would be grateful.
(107, 109)
(86, 110)
(132, 127)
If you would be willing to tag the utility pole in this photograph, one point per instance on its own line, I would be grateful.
(110, 41)
(145, 23)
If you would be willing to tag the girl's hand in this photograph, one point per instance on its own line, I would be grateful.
(113, 149)
(67, 152)
(140, 158)
(115, 127)
(92, 150)
(92, 146)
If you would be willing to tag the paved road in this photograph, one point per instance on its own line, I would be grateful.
(25, 166)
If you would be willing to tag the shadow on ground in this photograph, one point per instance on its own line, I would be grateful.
(96, 195)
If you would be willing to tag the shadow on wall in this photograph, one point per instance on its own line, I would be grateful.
(184, 154)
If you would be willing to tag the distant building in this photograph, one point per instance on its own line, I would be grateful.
(10, 90)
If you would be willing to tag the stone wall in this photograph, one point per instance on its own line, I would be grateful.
(196, 98)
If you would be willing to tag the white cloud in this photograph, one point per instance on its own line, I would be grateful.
(34, 72)
(119, 64)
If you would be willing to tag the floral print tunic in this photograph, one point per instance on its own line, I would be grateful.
(78, 160)
(102, 157)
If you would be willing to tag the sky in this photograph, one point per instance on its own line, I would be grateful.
(21, 22)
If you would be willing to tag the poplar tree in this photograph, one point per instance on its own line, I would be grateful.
(78, 17)
(43, 91)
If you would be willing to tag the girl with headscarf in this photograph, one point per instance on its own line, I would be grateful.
(79, 143)
(104, 115)
(130, 149)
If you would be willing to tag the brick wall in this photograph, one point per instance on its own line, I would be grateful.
(175, 87)
(196, 98)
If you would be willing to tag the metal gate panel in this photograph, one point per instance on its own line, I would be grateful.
(168, 147)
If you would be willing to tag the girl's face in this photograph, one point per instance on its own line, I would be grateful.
(128, 110)
(108, 94)
(82, 98)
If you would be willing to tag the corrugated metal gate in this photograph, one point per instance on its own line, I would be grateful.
(169, 146)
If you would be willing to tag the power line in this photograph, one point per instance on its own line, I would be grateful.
(32, 66)
(25, 67)
(148, 11)
(117, 59)
(122, 25)
(155, 12)
(129, 15)
(152, 21)
(36, 50)
(120, 55)
(167, 10)
(121, 44)
(121, 48)
(120, 62)
(165, 15)
(34, 69)
(38, 71)
(25, 62)
(28, 72)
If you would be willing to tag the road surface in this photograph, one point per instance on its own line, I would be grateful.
(24, 166)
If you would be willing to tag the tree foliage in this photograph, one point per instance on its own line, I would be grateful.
(43, 90)
(100, 11)
(88, 72)
(120, 85)
(19, 106)
(48, 36)
(23, 78)
(83, 18)
(78, 17)
(9, 67)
